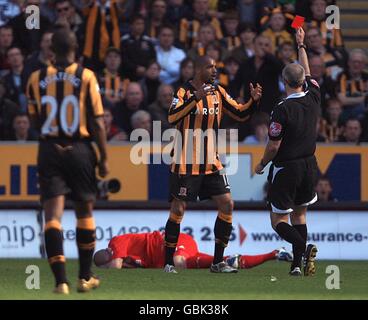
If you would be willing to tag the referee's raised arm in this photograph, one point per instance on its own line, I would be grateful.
(302, 53)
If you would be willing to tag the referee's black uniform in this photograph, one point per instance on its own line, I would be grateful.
(293, 173)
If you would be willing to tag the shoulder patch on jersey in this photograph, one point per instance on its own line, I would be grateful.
(315, 83)
(125, 37)
(174, 102)
(275, 129)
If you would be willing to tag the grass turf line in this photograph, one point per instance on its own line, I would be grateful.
(153, 284)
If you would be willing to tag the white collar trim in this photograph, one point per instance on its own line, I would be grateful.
(296, 95)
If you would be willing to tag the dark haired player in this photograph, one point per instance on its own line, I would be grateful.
(65, 106)
(197, 109)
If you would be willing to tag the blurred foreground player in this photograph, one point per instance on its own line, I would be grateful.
(146, 250)
(196, 171)
(65, 106)
(293, 173)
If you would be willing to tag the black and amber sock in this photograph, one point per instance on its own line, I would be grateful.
(54, 250)
(86, 241)
(172, 231)
(223, 228)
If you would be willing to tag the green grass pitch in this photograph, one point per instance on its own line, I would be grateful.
(191, 284)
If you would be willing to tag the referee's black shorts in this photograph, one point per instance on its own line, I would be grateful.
(191, 187)
(68, 172)
(291, 184)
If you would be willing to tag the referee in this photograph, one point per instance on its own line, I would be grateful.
(291, 149)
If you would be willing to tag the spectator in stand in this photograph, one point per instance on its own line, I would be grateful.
(215, 51)
(8, 110)
(160, 108)
(331, 128)
(177, 10)
(66, 11)
(333, 59)
(259, 123)
(324, 189)
(134, 101)
(28, 39)
(251, 11)
(40, 58)
(156, 19)
(325, 82)
(286, 54)
(101, 32)
(264, 69)
(112, 85)
(141, 119)
(186, 73)
(352, 132)
(6, 40)
(15, 81)
(231, 39)
(245, 50)
(277, 30)
(113, 132)
(168, 56)
(321, 124)
(353, 85)
(206, 35)
(151, 82)
(231, 67)
(137, 50)
(331, 38)
(22, 129)
(189, 26)
(141, 7)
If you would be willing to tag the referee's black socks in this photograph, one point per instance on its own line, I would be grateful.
(302, 229)
(291, 234)
(223, 228)
(172, 231)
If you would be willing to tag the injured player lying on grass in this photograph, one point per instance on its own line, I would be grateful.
(146, 250)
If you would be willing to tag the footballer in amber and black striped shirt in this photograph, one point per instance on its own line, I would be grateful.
(197, 110)
(64, 99)
(65, 106)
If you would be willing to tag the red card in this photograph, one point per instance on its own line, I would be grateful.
(298, 22)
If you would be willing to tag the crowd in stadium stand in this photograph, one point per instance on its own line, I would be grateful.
(142, 51)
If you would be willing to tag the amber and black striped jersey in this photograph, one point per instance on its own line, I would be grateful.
(331, 38)
(195, 146)
(63, 101)
(189, 28)
(352, 88)
(230, 42)
(277, 38)
(102, 29)
(113, 85)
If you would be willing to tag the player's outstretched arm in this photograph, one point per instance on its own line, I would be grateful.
(302, 53)
(241, 112)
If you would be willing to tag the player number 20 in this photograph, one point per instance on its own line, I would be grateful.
(68, 101)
